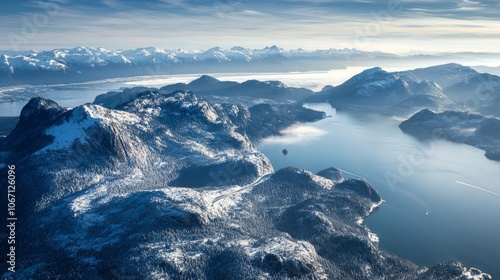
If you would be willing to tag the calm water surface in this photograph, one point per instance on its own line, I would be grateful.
(442, 199)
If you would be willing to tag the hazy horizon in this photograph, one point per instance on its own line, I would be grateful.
(399, 27)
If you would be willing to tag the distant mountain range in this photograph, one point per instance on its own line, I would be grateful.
(63, 59)
(82, 64)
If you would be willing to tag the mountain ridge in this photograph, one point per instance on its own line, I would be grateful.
(442, 87)
(457, 126)
(82, 64)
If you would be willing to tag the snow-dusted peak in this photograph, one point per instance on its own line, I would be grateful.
(182, 106)
(185, 96)
(239, 49)
(371, 77)
(38, 107)
(105, 115)
(445, 75)
(277, 84)
(69, 132)
(274, 49)
(375, 71)
(5, 65)
(73, 128)
(215, 49)
(79, 50)
(4, 59)
(374, 81)
(453, 68)
(393, 93)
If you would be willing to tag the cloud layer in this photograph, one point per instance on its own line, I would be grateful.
(392, 25)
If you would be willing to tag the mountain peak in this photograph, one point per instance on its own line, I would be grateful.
(205, 79)
(274, 49)
(38, 107)
(445, 75)
(454, 67)
(373, 71)
(238, 48)
(215, 49)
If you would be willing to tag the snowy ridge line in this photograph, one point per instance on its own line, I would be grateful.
(62, 59)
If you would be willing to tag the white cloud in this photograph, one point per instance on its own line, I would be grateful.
(296, 134)
(314, 24)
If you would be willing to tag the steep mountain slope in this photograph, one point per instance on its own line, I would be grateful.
(159, 138)
(473, 91)
(444, 75)
(439, 88)
(375, 90)
(478, 94)
(460, 127)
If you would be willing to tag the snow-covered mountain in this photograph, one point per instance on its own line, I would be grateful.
(156, 139)
(84, 63)
(442, 87)
(375, 90)
(64, 59)
(471, 90)
(258, 121)
(444, 75)
(168, 186)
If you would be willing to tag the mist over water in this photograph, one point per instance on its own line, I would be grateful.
(71, 95)
(429, 215)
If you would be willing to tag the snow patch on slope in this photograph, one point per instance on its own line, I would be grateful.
(284, 246)
(67, 133)
(83, 118)
(474, 274)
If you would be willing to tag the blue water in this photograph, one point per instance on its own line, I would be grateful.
(430, 215)
(71, 95)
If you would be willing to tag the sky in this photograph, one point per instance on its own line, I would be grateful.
(396, 26)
